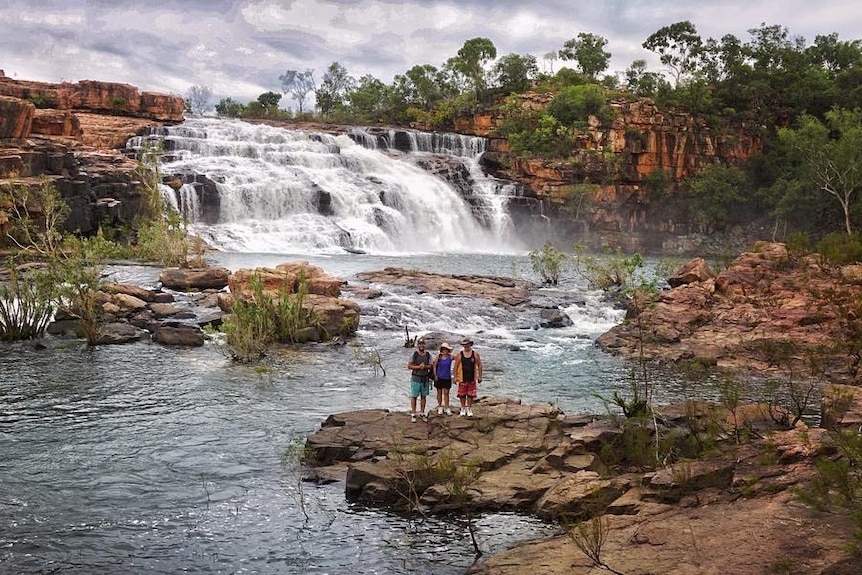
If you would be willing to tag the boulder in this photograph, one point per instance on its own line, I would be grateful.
(179, 334)
(16, 118)
(502, 290)
(118, 333)
(187, 279)
(696, 270)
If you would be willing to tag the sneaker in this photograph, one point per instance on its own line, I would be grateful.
(462, 413)
(448, 411)
(439, 411)
(413, 418)
(423, 417)
(469, 412)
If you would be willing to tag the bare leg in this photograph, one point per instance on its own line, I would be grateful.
(412, 405)
(440, 396)
(421, 404)
(445, 398)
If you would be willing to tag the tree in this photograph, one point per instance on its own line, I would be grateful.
(269, 100)
(642, 82)
(831, 154)
(514, 72)
(229, 108)
(298, 85)
(423, 85)
(471, 59)
(678, 47)
(198, 99)
(369, 98)
(333, 90)
(588, 50)
(718, 193)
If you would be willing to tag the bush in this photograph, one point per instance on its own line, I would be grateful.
(26, 305)
(263, 320)
(574, 104)
(838, 248)
(548, 263)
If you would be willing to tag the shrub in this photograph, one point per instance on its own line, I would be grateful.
(26, 305)
(838, 248)
(263, 320)
(548, 263)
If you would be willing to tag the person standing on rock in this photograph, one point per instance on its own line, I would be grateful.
(468, 373)
(442, 370)
(420, 378)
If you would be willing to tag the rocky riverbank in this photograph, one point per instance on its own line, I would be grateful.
(733, 512)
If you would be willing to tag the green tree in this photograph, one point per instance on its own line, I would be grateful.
(229, 108)
(471, 59)
(641, 81)
(718, 193)
(332, 92)
(678, 47)
(588, 50)
(574, 104)
(831, 155)
(269, 101)
(298, 85)
(369, 98)
(548, 263)
(514, 72)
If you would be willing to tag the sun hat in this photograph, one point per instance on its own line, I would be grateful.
(466, 341)
(445, 345)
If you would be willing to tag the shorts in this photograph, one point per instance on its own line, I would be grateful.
(419, 387)
(443, 383)
(467, 389)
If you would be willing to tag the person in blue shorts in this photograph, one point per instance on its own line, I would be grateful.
(420, 379)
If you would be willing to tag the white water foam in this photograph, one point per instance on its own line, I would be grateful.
(291, 191)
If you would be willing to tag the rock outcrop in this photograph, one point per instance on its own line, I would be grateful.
(337, 317)
(102, 97)
(768, 312)
(640, 140)
(129, 313)
(69, 134)
(502, 290)
(684, 518)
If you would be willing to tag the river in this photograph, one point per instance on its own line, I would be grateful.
(147, 459)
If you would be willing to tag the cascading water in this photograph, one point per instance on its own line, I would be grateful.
(292, 191)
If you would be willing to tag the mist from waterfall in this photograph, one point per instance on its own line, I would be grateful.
(294, 191)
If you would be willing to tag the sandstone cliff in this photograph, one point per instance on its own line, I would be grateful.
(617, 159)
(71, 134)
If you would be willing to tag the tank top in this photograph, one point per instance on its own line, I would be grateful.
(468, 367)
(444, 367)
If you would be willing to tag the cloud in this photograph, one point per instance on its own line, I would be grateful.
(240, 47)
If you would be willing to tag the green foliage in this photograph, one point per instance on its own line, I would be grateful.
(118, 103)
(717, 196)
(262, 320)
(830, 153)
(229, 108)
(574, 104)
(26, 304)
(588, 50)
(611, 271)
(514, 72)
(161, 231)
(548, 263)
(840, 249)
(36, 216)
(839, 484)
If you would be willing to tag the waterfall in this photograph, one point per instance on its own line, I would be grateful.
(257, 188)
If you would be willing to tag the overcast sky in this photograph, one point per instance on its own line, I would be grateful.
(240, 47)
